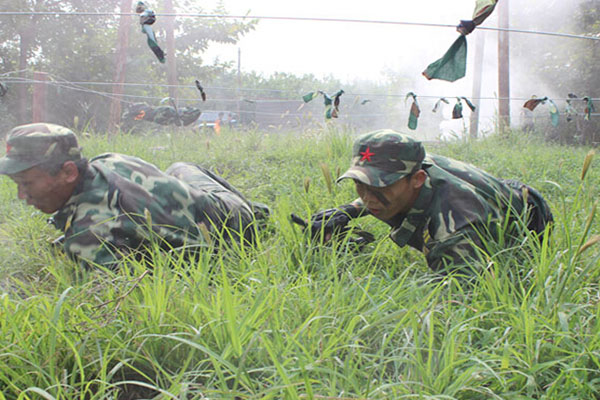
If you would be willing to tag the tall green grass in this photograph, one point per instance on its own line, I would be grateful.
(290, 319)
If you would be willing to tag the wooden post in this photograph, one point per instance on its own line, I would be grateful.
(26, 36)
(120, 64)
(503, 68)
(238, 85)
(171, 59)
(478, 71)
(39, 97)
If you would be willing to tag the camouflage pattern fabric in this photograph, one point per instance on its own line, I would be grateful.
(457, 206)
(33, 144)
(380, 158)
(163, 115)
(123, 205)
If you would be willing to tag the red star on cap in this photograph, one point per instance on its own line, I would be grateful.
(8, 147)
(366, 155)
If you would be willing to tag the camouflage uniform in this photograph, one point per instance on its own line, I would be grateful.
(122, 204)
(457, 205)
(163, 115)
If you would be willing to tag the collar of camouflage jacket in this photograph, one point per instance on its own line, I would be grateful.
(414, 220)
(61, 218)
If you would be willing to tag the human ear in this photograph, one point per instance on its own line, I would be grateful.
(418, 178)
(69, 171)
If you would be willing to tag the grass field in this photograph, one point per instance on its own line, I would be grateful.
(288, 319)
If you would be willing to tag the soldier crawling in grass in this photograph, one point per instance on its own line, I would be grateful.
(115, 205)
(445, 208)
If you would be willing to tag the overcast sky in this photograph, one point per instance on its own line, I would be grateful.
(363, 51)
(347, 50)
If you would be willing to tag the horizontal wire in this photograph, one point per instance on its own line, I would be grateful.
(65, 84)
(286, 18)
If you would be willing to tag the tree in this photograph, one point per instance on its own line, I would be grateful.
(79, 48)
(559, 66)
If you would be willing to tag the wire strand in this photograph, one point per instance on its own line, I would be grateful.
(303, 19)
(77, 86)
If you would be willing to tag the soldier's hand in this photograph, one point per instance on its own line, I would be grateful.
(328, 223)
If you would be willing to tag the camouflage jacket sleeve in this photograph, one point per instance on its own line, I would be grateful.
(456, 252)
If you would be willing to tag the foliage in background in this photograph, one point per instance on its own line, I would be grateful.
(560, 66)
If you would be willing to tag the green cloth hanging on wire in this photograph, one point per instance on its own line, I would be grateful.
(147, 18)
(532, 103)
(553, 113)
(201, 89)
(589, 108)
(3, 89)
(483, 9)
(311, 96)
(415, 111)
(458, 107)
(332, 104)
(453, 65)
(437, 104)
(457, 110)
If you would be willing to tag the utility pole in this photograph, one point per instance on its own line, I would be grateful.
(503, 68)
(26, 35)
(38, 106)
(171, 60)
(120, 64)
(479, 49)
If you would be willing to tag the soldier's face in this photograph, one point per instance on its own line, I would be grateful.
(398, 198)
(38, 188)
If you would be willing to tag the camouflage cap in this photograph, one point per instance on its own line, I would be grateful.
(33, 144)
(382, 157)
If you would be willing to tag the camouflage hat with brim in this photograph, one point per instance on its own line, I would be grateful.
(382, 157)
(34, 144)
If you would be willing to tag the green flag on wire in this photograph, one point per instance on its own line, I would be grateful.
(332, 104)
(147, 18)
(589, 108)
(310, 96)
(458, 107)
(532, 103)
(553, 113)
(415, 111)
(437, 104)
(483, 9)
(453, 65)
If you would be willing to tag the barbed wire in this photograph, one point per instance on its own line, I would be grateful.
(287, 18)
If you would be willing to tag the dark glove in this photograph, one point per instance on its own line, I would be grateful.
(333, 220)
